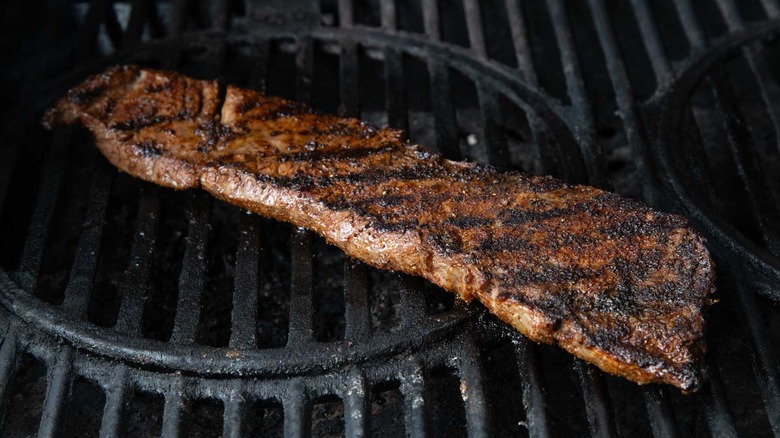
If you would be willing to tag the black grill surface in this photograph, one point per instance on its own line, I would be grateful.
(131, 310)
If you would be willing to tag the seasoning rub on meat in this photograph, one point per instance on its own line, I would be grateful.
(606, 278)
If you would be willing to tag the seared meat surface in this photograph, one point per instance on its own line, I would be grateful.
(606, 278)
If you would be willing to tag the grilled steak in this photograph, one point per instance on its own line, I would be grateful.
(606, 278)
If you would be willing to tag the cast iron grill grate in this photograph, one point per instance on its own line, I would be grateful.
(175, 308)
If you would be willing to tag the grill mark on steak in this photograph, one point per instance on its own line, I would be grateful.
(149, 148)
(606, 278)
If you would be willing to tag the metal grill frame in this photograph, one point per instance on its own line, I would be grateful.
(662, 113)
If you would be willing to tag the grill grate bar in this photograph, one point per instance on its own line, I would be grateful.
(244, 313)
(136, 277)
(350, 80)
(716, 409)
(525, 59)
(88, 34)
(178, 17)
(474, 27)
(388, 14)
(412, 387)
(575, 85)
(174, 403)
(57, 390)
(301, 305)
(696, 158)
(767, 84)
(756, 58)
(764, 363)
(546, 149)
(357, 308)
(215, 65)
(51, 177)
(430, 10)
(395, 93)
(193, 273)
(233, 425)
(304, 61)
(771, 7)
(690, 25)
(531, 382)
(749, 169)
(259, 65)
(112, 27)
(297, 411)
(648, 29)
(411, 301)
(472, 388)
(9, 351)
(116, 400)
(731, 16)
(85, 261)
(493, 134)
(444, 117)
(135, 25)
(346, 13)
(659, 411)
(357, 406)
(8, 156)
(221, 15)
(597, 405)
(622, 85)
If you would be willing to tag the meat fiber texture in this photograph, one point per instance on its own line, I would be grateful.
(606, 278)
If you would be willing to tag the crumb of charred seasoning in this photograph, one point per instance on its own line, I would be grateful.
(148, 148)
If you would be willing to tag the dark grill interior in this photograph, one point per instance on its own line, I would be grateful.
(137, 311)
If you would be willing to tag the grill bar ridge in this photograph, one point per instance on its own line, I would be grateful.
(192, 278)
(116, 401)
(84, 265)
(245, 289)
(136, 278)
